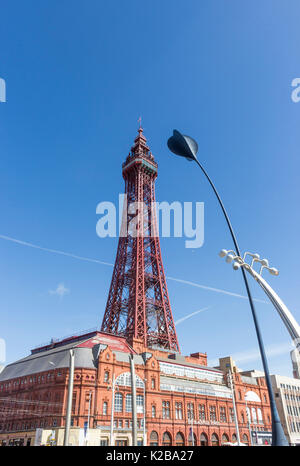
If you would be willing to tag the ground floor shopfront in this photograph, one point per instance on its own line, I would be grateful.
(100, 436)
(78, 437)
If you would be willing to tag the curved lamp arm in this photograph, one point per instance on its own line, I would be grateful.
(285, 314)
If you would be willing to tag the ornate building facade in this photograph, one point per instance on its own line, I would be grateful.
(186, 402)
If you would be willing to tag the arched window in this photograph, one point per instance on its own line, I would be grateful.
(153, 384)
(203, 440)
(167, 440)
(240, 395)
(192, 438)
(106, 376)
(124, 379)
(179, 440)
(118, 402)
(104, 409)
(252, 396)
(245, 439)
(234, 438)
(214, 440)
(225, 439)
(243, 417)
(153, 438)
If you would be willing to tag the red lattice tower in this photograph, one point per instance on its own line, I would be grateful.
(138, 303)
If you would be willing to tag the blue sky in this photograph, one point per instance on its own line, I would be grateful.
(78, 76)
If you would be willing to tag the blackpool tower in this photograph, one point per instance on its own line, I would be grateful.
(138, 303)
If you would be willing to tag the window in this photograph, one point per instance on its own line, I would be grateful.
(225, 439)
(202, 416)
(192, 439)
(214, 440)
(121, 443)
(203, 440)
(124, 379)
(190, 410)
(118, 402)
(153, 438)
(223, 414)
(259, 415)
(153, 411)
(104, 442)
(104, 410)
(212, 413)
(153, 384)
(166, 410)
(245, 439)
(167, 440)
(128, 403)
(179, 440)
(140, 403)
(254, 417)
(243, 418)
(178, 411)
(106, 376)
(231, 415)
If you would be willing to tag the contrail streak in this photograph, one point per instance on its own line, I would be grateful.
(55, 251)
(96, 261)
(217, 290)
(191, 315)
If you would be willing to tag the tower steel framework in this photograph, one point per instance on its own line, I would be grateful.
(138, 303)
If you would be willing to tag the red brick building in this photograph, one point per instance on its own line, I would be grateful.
(182, 395)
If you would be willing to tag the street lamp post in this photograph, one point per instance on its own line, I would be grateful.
(230, 380)
(133, 394)
(248, 420)
(88, 421)
(187, 147)
(70, 398)
(144, 423)
(112, 410)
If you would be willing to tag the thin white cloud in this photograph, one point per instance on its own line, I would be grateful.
(60, 291)
(182, 319)
(87, 259)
